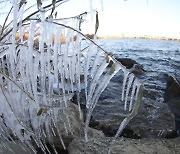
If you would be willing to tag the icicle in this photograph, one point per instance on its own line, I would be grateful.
(21, 33)
(58, 132)
(55, 58)
(88, 117)
(132, 94)
(20, 14)
(15, 21)
(42, 126)
(137, 90)
(96, 62)
(32, 148)
(79, 106)
(32, 79)
(30, 67)
(48, 59)
(104, 82)
(86, 69)
(71, 74)
(97, 75)
(78, 82)
(48, 132)
(129, 84)
(101, 87)
(126, 73)
(54, 148)
(62, 82)
(39, 143)
(73, 67)
(67, 120)
(52, 129)
(65, 55)
(119, 131)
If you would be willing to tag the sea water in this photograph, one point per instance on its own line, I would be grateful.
(159, 58)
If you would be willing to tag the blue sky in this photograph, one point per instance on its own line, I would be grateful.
(132, 17)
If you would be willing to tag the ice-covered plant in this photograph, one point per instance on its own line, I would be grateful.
(42, 61)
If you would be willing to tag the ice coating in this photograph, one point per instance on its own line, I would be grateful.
(40, 75)
(126, 73)
(134, 86)
(130, 80)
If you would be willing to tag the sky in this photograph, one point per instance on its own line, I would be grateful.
(128, 17)
(133, 17)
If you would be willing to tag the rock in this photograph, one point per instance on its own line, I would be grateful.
(16, 147)
(152, 121)
(77, 127)
(124, 146)
(129, 64)
(172, 98)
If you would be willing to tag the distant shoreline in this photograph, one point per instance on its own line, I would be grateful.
(140, 37)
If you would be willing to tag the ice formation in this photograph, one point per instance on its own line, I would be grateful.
(40, 75)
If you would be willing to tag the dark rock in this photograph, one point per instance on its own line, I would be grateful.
(171, 134)
(129, 64)
(172, 98)
(51, 149)
(152, 121)
(76, 130)
(110, 131)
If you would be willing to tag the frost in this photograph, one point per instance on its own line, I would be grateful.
(40, 75)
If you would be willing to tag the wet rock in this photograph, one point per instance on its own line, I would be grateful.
(110, 131)
(127, 62)
(16, 147)
(152, 121)
(76, 129)
(131, 64)
(124, 146)
(172, 98)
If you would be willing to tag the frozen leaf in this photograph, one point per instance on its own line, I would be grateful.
(97, 23)
(39, 4)
(112, 69)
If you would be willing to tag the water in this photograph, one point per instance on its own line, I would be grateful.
(158, 57)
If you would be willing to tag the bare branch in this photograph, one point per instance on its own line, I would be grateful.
(5, 22)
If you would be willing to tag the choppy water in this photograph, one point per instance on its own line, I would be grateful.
(159, 58)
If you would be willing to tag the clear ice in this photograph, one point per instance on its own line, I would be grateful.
(40, 75)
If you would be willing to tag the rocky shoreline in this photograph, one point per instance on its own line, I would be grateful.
(151, 131)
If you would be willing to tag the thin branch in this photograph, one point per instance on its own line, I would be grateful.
(76, 16)
(12, 109)
(32, 14)
(106, 52)
(17, 86)
(5, 22)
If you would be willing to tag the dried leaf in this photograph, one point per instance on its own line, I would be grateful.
(53, 8)
(39, 4)
(41, 111)
(97, 23)
(80, 22)
(55, 15)
(107, 59)
(112, 69)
